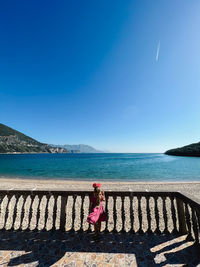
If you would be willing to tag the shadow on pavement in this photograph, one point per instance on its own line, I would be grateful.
(47, 248)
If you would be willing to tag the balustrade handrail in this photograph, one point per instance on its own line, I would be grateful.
(188, 200)
(109, 193)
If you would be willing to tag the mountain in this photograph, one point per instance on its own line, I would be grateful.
(192, 150)
(79, 148)
(12, 141)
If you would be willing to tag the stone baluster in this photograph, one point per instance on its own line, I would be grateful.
(107, 213)
(195, 226)
(63, 213)
(114, 214)
(166, 231)
(131, 214)
(182, 216)
(73, 211)
(46, 211)
(30, 211)
(198, 220)
(174, 218)
(38, 212)
(157, 231)
(54, 212)
(188, 222)
(14, 212)
(123, 214)
(82, 213)
(24, 198)
(140, 231)
(7, 210)
(88, 230)
(149, 231)
(1, 199)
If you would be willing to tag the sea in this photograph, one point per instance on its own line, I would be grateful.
(137, 167)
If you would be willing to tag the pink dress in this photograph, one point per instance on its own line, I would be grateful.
(97, 213)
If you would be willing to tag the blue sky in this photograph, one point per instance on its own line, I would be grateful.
(122, 76)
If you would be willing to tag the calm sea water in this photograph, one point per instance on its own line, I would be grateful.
(135, 167)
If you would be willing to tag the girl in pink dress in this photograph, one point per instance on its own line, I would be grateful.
(97, 213)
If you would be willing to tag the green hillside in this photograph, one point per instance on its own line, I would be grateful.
(7, 131)
(12, 141)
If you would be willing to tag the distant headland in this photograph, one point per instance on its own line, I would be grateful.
(192, 150)
(79, 148)
(15, 142)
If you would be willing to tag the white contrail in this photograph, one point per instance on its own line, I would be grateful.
(157, 52)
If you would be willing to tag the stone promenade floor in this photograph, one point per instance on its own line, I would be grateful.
(81, 249)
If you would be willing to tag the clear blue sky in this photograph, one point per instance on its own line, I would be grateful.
(122, 76)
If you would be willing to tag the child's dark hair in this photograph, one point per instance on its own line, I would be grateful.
(97, 191)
